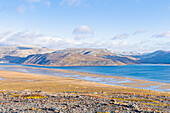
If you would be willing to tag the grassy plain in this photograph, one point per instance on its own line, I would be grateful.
(18, 81)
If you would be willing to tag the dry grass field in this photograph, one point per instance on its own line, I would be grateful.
(24, 81)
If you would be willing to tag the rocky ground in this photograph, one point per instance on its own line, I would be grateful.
(81, 102)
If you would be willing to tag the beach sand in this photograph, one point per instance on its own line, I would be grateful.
(104, 79)
(18, 81)
(26, 92)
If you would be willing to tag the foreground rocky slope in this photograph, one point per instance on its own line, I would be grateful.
(81, 102)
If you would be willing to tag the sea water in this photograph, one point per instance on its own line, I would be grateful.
(150, 72)
(156, 73)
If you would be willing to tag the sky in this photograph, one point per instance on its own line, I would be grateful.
(118, 25)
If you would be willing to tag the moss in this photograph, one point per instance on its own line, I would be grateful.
(35, 97)
(14, 95)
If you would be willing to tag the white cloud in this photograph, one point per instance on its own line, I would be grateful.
(139, 32)
(32, 4)
(36, 39)
(120, 36)
(83, 32)
(78, 37)
(83, 29)
(126, 35)
(166, 34)
(71, 2)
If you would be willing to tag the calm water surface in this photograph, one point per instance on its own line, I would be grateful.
(156, 73)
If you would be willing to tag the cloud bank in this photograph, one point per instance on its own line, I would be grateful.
(34, 38)
(126, 35)
(121, 36)
(166, 34)
(139, 32)
(38, 39)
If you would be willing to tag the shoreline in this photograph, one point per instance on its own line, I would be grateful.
(45, 93)
(18, 81)
(126, 81)
(81, 65)
(105, 79)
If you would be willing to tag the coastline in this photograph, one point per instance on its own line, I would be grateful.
(18, 81)
(21, 92)
(83, 65)
(122, 81)
(103, 79)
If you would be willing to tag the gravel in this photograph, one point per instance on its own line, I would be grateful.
(80, 102)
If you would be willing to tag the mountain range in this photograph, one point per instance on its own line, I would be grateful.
(157, 57)
(78, 57)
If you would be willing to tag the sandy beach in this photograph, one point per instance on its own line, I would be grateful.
(21, 81)
(93, 78)
(26, 92)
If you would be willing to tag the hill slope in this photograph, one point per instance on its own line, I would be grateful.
(77, 57)
(73, 57)
(157, 57)
(16, 54)
(20, 51)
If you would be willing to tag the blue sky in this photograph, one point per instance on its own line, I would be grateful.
(118, 25)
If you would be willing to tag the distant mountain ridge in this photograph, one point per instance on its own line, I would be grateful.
(157, 57)
(22, 51)
(77, 57)
(71, 57)
(15, 53)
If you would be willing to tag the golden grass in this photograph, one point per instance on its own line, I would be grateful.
(17, 81)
